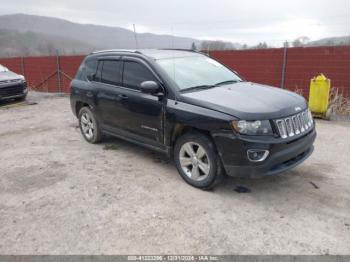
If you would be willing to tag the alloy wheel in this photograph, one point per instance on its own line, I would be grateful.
(194, 161)
(87, 125)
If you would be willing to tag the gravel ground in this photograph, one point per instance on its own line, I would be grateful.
(61, 195)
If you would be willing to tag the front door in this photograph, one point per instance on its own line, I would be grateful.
(123, 108)
(143, 112)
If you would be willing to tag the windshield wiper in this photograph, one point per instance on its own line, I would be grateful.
(228, 82)
(201, 87)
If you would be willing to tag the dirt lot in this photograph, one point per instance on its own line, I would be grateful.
(61, 195)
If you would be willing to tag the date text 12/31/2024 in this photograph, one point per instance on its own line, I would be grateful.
(173, 258)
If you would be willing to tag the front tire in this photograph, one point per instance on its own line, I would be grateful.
(197, 160)
(89, 126)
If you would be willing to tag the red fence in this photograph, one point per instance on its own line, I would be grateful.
(301, 64)
(42, 74)
(262, 66)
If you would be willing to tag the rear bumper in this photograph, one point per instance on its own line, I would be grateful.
(282, 157)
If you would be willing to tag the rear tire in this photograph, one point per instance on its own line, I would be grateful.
(197, 160)
(89, 125)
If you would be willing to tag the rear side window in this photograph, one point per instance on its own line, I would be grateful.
(135, 74)
(90, 69)
(111, 72)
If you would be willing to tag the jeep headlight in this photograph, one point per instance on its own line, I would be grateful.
(257, 127)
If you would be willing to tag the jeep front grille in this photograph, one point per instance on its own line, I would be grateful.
(294, 125)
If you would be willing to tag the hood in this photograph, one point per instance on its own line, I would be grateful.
(8, 75)
(248, 101)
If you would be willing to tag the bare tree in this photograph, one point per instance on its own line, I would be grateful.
(193, 46)
(261, 45)
(301, 41)
(216, 45)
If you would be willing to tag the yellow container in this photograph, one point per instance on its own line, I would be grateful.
(319, 94)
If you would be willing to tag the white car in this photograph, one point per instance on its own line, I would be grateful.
(12, 85)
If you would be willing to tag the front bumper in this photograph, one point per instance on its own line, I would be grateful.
(284, 154)
(13, 91)
(14, 97)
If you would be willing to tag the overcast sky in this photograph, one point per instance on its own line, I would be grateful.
(246, 21)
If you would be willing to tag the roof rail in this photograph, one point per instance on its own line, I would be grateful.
(178, 49)
(184, 49)
(116, 50)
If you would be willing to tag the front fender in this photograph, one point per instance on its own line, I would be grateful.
(194, 116)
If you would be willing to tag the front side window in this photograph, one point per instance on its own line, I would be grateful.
(136, 73)
(193, 71)
(111, 72)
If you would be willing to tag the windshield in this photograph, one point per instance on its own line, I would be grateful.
(3, 69)
(195, 71)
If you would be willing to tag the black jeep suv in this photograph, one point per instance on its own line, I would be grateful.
(191, 107)
(12, 85)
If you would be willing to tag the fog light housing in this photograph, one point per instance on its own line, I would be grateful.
(257, 155)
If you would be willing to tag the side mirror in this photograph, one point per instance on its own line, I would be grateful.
(149, 87)
(91, 77)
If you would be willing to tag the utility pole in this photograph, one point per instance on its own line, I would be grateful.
(136, 42)
(208, 48)
(172, 38)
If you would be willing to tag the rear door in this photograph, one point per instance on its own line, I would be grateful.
(107, 83)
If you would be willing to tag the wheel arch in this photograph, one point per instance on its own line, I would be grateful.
(181, 129)
(79, 105)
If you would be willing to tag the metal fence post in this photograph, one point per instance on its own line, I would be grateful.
(23, 70)
(58, 71)
(285, 52)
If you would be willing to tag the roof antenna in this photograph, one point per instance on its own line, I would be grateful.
(172, 52)
(135, 34)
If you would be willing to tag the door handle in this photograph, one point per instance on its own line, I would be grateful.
(122, 96)
(89, 94)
